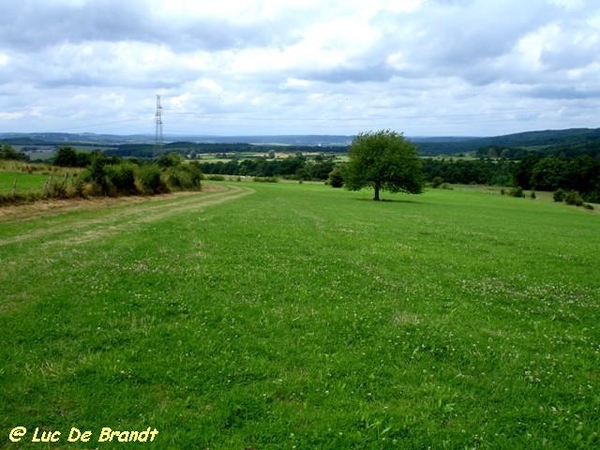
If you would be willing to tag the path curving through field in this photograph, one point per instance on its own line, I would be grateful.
(124, 215)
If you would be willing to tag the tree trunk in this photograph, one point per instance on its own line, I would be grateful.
(376, 198)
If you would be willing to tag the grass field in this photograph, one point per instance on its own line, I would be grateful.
(270, 316)
(25, 182)
(29, 178)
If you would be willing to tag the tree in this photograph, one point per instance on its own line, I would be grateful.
(525, 170)
(383, 160)
(7, 152)
(549, 173)
(171, 159)
(66, 157)
(336, 179)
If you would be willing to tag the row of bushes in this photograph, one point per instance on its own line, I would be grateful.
(127, 178)
(105, 177)
(560, 195)
(571, 198)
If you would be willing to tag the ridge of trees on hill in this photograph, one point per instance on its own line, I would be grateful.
(569, 143)
(194, 148)
(545, 160)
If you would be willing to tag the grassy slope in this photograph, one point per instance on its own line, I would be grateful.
(25, 182)
(304, 316)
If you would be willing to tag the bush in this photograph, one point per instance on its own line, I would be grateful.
(336, 178)
(169, 160)
(216, 178)
(517, 192)
(55, 187)
(588, 206)
(437, 182)
(265, 179)
(98, 173)
(532, 195)
(7, 152)
(573, 198)
(120, 179)
(559, 195)
(184, 176)
(150, 181)
(69, 157)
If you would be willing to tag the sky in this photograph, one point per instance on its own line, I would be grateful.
(284, 67)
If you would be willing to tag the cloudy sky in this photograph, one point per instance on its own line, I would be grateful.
(239, 67)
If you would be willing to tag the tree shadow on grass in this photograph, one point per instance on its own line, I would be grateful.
(388, 200)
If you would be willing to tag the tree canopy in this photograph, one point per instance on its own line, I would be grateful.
(383, 160)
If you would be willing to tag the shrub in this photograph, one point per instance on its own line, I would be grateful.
(169, 160)
(588, 206)
(57, 189)
(437, 182)
(69, 157)
(502, 191)
(150, 181)
(98, 173)
(184, 176)
(7, 152)
(336, 179)
(532, 195)
(559, 195)
(265, 179)
(517, 192)
(573, 198)
(216, 178)
(120, 179)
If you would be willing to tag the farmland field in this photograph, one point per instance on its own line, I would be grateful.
(25, 182)
(269, 316)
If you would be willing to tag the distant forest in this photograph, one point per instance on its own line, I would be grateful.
(542, 160)
(196, 148)
(567, 143)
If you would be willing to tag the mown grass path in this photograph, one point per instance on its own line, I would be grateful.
(305, 317)
(104, 221)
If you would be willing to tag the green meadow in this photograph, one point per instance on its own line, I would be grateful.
(297, 316)
(22, 182)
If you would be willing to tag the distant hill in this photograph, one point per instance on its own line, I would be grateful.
(109, 139)
(570, 142)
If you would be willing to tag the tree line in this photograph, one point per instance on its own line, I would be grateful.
(581, 174)
(7, 152)
(195, 148)
(532, 171)
(298, 167)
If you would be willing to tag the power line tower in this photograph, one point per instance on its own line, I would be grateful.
(158, 138)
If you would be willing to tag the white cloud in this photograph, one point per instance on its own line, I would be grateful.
(260, 66)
